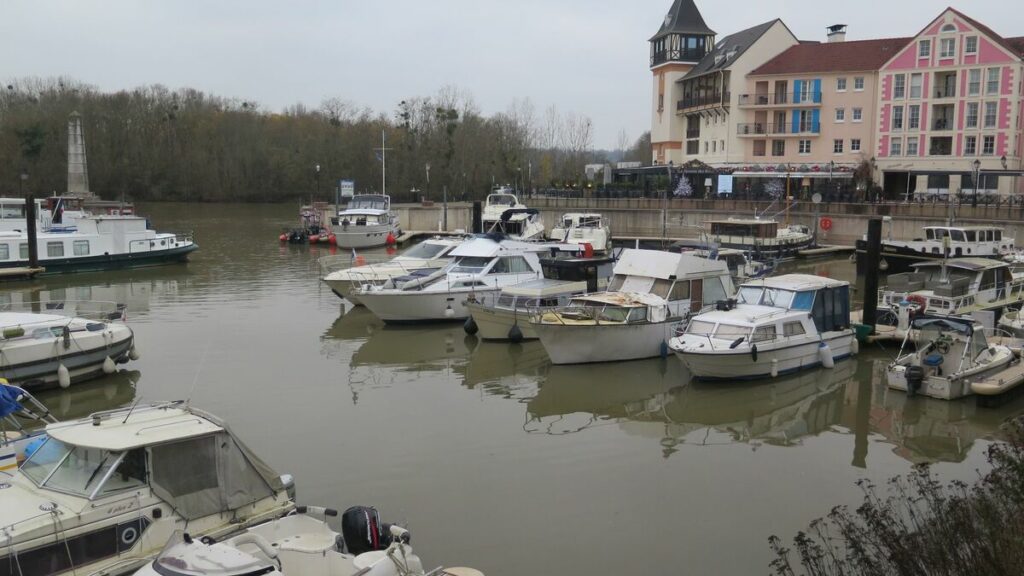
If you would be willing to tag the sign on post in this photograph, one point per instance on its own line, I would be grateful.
(347, 187)
(724, 184)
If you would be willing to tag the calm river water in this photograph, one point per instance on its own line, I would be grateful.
(493, 457)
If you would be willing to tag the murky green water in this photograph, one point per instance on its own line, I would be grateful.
(493, 457)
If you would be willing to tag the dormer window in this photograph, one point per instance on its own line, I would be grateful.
(924, 49)
(949, 28)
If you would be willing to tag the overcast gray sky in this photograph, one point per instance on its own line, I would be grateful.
(584, 56)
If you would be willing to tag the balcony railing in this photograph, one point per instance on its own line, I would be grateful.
(676, 56)
(693, 133)
(715, 99)
(942, 124)
(780, 99)
(767, 129)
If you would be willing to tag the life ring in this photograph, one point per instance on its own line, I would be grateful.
(921, 301)
(826, 223)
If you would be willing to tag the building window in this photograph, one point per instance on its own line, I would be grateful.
(759, 147)
(721, 143)
(915, 85)
(858, 83)
(971, 45)
(81, 247)
(54, 249)
(972, 115)
(924, 49)
(990, 114)
(974, 82)
(992, 86)
(913, 117)
(714, 145)
(911, 146)
(858, 114)
(805, 146)
(840, 84)
(899, 86)
(805, 91)
(897, 118)
(970, 145)
(896, 147)
(778, 147)
(706, 147)
(947, 47)
(661, 102)
(837, 146)
(840, 114)
(855, 145)
(988, 145)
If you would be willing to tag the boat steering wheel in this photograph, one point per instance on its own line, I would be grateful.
(942, 344)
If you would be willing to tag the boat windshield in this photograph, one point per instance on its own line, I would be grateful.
(776, 297)
(471, 264)
(934, 274)
(731, 331)
(79, 471)
(425, 251)
(368, 203)
(701, 328)
(749, 295)
(501, 200)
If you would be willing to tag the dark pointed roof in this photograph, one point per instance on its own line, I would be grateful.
(683, 18)
(730, 49)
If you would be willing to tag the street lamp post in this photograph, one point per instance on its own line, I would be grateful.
(317, 182)
(977, 170)
(529, 175)
(21, 182)
(664, 205)
(426, 193)
(831, 168)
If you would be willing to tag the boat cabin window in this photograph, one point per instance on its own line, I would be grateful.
(998, 235)
(933, 274)
(957, 235)
(368, 203)
(763, 333)
(5, 251)
(713, 290)
(506, 300)
(511, 265)
(501, 200)
(84, 472)
(793, 329)
(661, 287)
(81, 247)
(425, 251)
(731, 331)
(616, 283)
(754, 229)
(12, 211)
(929, 234)
(700, 327)
(471, 264)
(971, 235)
(749, 295)
(54, 249)
(23, 251)
(778, 298)
(831, 310)
(680, 291)
(637, 315)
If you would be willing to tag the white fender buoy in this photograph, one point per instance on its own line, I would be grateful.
(855, 347)
(448, 312)
(108, 366)
(883, 265)
(775, 367)
(134, 354)
(826, 356)
(63, 376)
(903, 316)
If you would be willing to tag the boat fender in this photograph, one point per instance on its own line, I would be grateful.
(448, 312)
(515, 334)
(753, 352)
(390, 240)
(825, 353)
(314, 238)
(108, 366)
(854, 347)
(775, 367)
(664, 349)
(65, 334)
(883, 265)
(588, 250)
(13, 332)
(332, 240)
(63, 376)
(470, 326)
(737, 342)
(283, 237)
(134, 354)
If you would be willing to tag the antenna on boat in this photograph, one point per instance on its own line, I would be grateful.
(199, 369)
(384, 162)
(132, 409)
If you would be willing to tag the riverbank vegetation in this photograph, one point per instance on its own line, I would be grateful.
(921, 526)
(154, 143)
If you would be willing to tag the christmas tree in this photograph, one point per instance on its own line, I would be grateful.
(774, 189)
(683, 189)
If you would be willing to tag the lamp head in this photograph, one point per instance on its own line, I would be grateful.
(1003, 160)
(977, 163)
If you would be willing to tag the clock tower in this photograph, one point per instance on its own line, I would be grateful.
(679, 45)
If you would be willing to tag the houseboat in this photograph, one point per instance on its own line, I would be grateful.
(503, 213)
(775, 326)
(649, 295)
(367, 222)
(764, 239)
(583, 228)
(938, 243)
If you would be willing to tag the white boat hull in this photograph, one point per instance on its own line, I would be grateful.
(739, 364)
(408, 306)
(495, 323)
(354, 236)
(568, 344)
(948, 388)
(33, 363)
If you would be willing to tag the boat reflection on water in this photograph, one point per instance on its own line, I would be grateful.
(503, 369)
(106, 393)
(134, 288)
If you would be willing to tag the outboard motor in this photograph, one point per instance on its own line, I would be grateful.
(915, 378)
(363, 531)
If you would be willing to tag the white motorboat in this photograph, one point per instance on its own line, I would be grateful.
(650, 294)
(765, 239)
(504, 214)
(102, 495)
(482, 266)
(96, 243)
(952, 359)
(1012, 322)
(366, 222)
(65, 345)
(583, 228)
(775, 326)
(300, 544)
(345, 274)
(940, 242)
(507, 316)
(55, 212)
(21, 416)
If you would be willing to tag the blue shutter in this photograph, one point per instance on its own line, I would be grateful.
(796, 91)
(817, 91)
(816, 121)
(796, 122)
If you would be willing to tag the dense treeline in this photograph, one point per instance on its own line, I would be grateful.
(153, 143)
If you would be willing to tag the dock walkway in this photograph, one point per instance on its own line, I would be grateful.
(20, 273)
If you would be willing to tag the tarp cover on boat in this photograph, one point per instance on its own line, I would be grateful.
(962, 326)
(210, 474)
(9, 400)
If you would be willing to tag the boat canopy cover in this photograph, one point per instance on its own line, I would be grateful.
(663, 265)
(508, 214)
(964, 326)
(9, 399)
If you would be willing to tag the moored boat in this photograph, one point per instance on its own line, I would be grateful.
(503, 213)
(366, 222)
(21, 416)
(765, 239)
(583, 228)
(939, 243)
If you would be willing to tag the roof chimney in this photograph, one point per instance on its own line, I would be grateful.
(837, 33)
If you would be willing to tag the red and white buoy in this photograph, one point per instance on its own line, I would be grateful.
(332, 240)
(390, 240)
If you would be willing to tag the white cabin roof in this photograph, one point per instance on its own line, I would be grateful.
(544, 287)
(8, 319)
(750, 315)
(972, 264)
(146, 426)
(658, 264)
(797, 282)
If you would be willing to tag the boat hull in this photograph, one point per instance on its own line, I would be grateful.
(109, 261)
(948, 388)
(900, 259)
(353, 236)
(495, 323)
(583, 344)
(739, 364)
(414, 307)
(35, 365)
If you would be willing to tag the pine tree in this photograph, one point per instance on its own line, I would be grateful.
(683, 189)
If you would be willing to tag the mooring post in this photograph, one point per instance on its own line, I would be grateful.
(874, 253)
(30, 227)
(478, 211)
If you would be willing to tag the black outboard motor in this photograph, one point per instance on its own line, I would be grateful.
(363, 531)
(915, 378)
